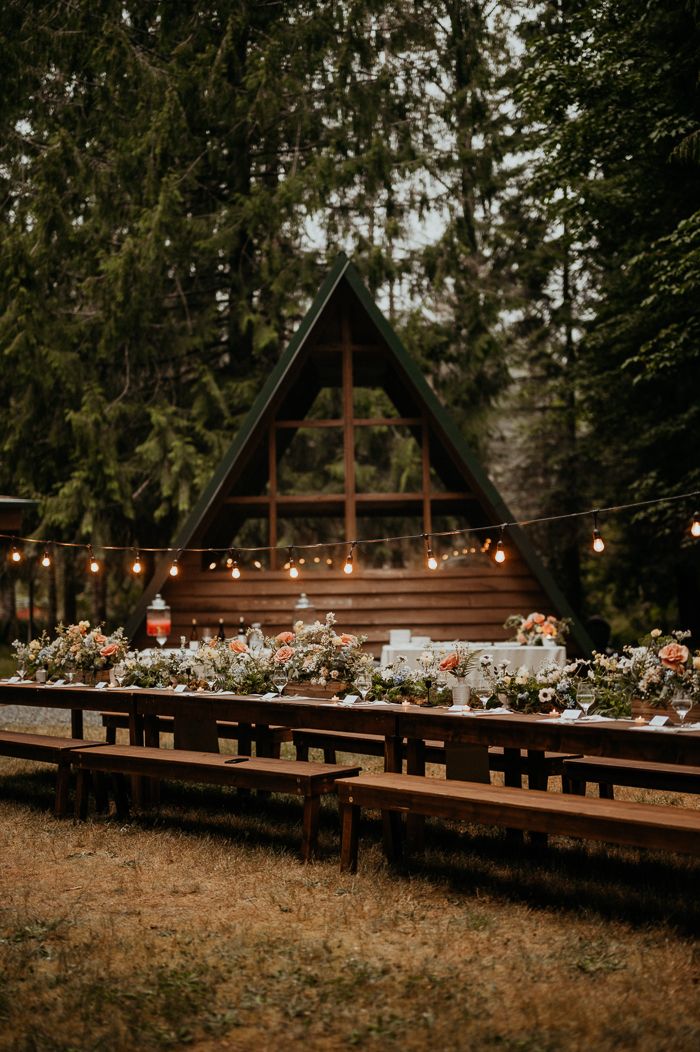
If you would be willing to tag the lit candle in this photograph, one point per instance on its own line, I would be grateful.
(554, 712)
(405, 704)
(335, 698)
(640, 720)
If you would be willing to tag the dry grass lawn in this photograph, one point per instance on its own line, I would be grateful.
(197, 926)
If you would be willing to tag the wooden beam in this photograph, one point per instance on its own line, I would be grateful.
(348, 429)
(358, 421)
(425, 468)
(272, 500)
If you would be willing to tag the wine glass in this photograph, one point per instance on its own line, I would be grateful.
(585, 696)
(279, 681)
(70, 670)
(363, 682)
(681, 704)
(483, 690)
(119, 673)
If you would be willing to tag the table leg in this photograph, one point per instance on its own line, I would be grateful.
(309, 841)
(537, 779)
(512, 776)
(350, 828)
(245, 746)
(393, 763)
(415, 824)
(76, 723)
(136, 737)
(151, 739)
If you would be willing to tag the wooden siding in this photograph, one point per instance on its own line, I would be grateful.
(466, 603)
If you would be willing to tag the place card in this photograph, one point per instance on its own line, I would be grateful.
(101, 685)
(181, 688)
(350, 699)
(58, 683)
(658, 721)
(14, 679)
(571, 714)
(270, 696)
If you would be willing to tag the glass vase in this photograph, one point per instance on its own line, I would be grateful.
(460, 691)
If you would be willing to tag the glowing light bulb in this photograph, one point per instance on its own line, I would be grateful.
(293, 570)
(174, 568)
(15, 555)
(46, 560)
(94, 565)
(235, 570)
(432, 562)
(137, 565)
(257, 564)
(212, 564)
(348, 567)
(598, 542)
(500, 555)
(695, 525)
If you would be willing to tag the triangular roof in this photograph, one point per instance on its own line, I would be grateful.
(344, 276)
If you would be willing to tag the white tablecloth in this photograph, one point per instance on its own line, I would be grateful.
(532, 657)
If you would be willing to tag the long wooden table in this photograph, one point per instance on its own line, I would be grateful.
(515, 731)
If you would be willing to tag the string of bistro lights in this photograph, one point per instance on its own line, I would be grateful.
(233, 554)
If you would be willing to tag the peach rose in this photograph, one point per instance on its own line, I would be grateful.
(673, 655)
(549, 630)
(285, 637)
(238, 647)
(99, 638)
(527, 625)
(83, 627)
(109, 650)
(283, 655)
(450, 662)
(552, 619)
(345, 640)
(538, 618)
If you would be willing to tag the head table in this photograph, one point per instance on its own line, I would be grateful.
(533, 658)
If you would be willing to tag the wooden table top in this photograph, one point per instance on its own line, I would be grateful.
(619, 738)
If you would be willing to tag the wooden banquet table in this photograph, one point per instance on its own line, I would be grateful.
(394, 722)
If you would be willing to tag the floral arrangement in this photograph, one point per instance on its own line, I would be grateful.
(537, 629)
(422, 686)
(551, 687)
(460, 661)
(660, 666)
(319, 654)
(75, 648)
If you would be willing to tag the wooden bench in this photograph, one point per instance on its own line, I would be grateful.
(331, 742)
(638, 774)
(309, 780)
(614, 821)
(268, 740)
(46, 748)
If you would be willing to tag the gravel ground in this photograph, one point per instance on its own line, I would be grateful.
(16, 716)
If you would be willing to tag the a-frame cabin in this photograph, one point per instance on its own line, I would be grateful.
(347, 441)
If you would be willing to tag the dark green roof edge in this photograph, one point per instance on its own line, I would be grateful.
(469, 462)
(342, 267)
(227, 462)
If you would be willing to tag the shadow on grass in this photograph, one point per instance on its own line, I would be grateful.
(617, 883)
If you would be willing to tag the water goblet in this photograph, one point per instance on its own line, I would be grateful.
(585, 696)
(119, 674)
(279, 681)
(681, 705)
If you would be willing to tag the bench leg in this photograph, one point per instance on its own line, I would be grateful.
(62, 788)
(350, 824)
(263, 747)
(121, 796)
(329, 754)
(393, 754)
(537, 779)
(302, 750)
(99, 783)
(110, 735)
(393, 848)
(82, 793)
(136, 732)
(605, 791)
(309, 839)
(415, 824)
